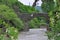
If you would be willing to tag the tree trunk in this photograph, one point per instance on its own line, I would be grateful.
(34, 4)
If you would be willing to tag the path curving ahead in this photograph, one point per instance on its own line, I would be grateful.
(33, 34)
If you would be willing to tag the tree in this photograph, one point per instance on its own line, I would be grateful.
(8, 2)
(34, 4)
(58, 4)
(54, 15)
(25, 9)
(47, 5)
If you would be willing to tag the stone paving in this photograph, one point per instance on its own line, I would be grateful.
(33, 34)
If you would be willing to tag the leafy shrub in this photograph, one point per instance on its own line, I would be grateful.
(2, 37)
(57, 37)
(8, 2)
(9, 23)
(8, 14)
(26, 9)
(22, 8)
(12, 32)
(8, 32)
(55, 23)
(18, 23)
(37, 22)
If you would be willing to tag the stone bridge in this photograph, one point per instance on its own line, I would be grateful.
(26, 17)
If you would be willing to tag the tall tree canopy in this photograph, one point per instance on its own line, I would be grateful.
(47, 5)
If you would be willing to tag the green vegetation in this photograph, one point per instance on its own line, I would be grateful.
(37, 22)
(47, 5)
(55, 24)
(54, 13)
(10, 22)
(22, 8)
(26, 9)
(8, 14)
(10, 3)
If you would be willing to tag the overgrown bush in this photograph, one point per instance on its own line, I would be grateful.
(55, 23)
(7, 32)
(26, 9)
(54, 14)
(9, 23)
(37, 22)
(22, 8)
(8, 2)
(8, 14)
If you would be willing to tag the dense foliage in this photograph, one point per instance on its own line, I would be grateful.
(37, 22)
(22, 8)
(8, 14)
(26, 9)
(10, 3)
(47, 5)
(9, 23)
(54, 14)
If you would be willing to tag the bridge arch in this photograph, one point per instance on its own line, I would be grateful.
(27, 17)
